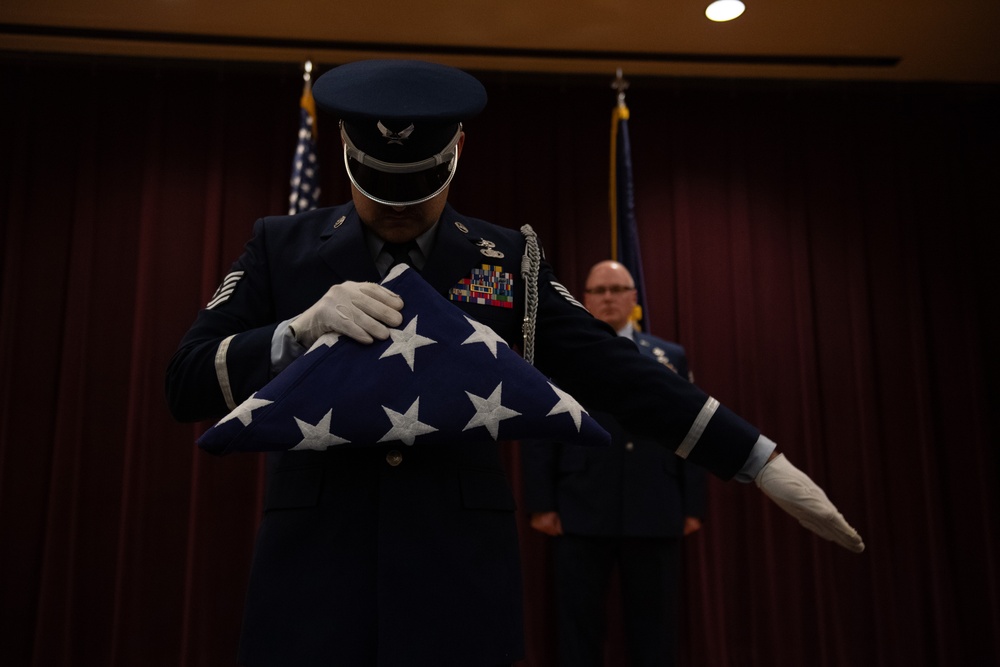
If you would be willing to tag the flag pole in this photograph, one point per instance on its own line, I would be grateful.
(307, 101)
(619, 113)
(624, 231)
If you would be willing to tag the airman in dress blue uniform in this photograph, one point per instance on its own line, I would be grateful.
(623, 507)
(380, 555)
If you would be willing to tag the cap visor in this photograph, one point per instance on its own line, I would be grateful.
(401, 189)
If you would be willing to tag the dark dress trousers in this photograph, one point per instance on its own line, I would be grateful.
(621, 506)
(389, 555)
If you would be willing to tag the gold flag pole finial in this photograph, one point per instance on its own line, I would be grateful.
(307, 102)
(621, 85)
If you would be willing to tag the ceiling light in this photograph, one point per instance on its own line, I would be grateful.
(724, 10)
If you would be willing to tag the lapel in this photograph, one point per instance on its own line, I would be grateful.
(637, 339)
(453, 257)
(344, 249)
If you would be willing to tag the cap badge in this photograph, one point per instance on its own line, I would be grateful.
(395, 137)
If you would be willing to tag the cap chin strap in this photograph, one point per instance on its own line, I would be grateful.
(449, 154)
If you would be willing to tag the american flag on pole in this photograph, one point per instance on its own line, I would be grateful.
(624, 233)
(305, 168)
(441, 377)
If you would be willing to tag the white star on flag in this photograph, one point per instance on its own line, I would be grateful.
(328, 339)
(317, 436)
(242, 412)
(406, 426)
(567, 404)
(406, 341)
(484, 335)
(489, 412)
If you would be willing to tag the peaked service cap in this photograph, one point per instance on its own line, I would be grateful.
(401, 121)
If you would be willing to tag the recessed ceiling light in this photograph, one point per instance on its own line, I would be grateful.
(724, 10)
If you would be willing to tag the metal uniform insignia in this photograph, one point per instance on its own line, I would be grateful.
(460, 227)
(395, 137)
(488, 285)
(225, 290)
(662, 357)
(487, 248)
(340, 221)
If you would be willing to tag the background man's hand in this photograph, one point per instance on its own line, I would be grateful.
(547, 522)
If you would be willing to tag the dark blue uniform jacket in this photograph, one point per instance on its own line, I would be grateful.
(634, 488)
(362, 561)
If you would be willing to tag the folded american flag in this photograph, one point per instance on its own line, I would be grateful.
(440, 377)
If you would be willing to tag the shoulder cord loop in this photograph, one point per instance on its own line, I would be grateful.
(530, 263)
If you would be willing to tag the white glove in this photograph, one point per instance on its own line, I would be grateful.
(362, 311)
(793, 491)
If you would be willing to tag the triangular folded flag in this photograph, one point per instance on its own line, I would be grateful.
(441, 377)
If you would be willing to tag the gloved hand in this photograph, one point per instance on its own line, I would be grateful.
(793, 491)
(362, 311)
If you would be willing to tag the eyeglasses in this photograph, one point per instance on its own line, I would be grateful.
(615, 290)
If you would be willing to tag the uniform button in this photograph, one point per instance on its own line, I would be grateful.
(629, 446)
(394, 458)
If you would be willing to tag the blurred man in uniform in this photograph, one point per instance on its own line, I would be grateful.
(626, 506)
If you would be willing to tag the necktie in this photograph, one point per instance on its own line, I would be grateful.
(400, 253)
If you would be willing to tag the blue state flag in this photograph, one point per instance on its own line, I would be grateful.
(441, 377)
(624, 233)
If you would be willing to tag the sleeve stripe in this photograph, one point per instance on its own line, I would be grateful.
(222, 372)
(566, 294)
(698, 427)
(219, 297)
(225, 290)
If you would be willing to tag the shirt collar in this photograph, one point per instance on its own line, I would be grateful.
(425, 242)
(627, 331)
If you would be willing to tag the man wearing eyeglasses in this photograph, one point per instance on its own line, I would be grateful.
(626, 506)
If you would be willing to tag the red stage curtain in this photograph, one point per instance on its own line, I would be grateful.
(826, 253)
